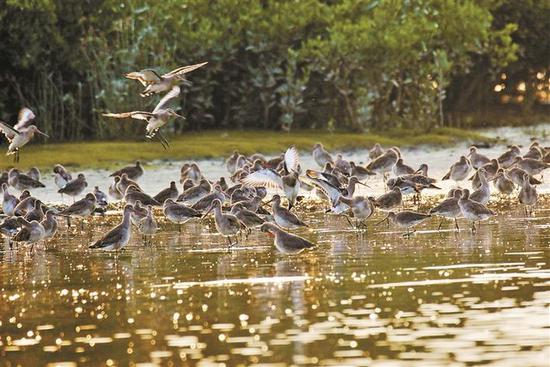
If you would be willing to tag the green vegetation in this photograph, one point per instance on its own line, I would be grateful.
(350, 65)
(216, 144)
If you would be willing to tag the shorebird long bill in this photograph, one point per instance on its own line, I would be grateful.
(43, 134)
(268, 202)
(363, 184)
(208, 211)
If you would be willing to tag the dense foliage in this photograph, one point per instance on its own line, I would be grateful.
(272, 64)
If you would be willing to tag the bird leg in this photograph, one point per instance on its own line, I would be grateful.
(163, 140)
(456, 225)
(440, 224)
(474, 229)
(349, 221)
(383, 220)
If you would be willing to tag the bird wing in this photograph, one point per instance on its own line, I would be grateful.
(184, 70)
(173, 93)
(292, 159)
(138, 115)
(264, 177)
(112, 237)
(24, 118)
(332, 192)
(145, 77)
(9, 131)
(75, 208)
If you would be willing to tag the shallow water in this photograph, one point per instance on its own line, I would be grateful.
(358, 299)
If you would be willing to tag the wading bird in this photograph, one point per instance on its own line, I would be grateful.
(226, 224)
(284, 217)
(459, 170)
(75, 187)
(21, 181)
(448, 208)
(472, 210)
(285, 242)
(287, 181)
(61, 176)
(119, 236)
(132, 172)
(30, 232)
(407, 219)
(148, 225)
(179, 213)
(321, 156)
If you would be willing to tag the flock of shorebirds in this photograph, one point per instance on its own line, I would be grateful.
(240, 207)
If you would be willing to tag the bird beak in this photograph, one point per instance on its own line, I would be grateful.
(364, 184)
(268, 202)
(207, 212)
(41, 133)
(179, 116)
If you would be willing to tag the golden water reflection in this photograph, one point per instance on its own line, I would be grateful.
(374, 299)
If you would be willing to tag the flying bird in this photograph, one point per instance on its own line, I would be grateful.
(21, 133)
(155, 83)
(155, 119)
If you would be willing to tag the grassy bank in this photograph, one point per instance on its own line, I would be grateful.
(215, 144)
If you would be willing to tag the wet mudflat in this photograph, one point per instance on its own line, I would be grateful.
(358, 299)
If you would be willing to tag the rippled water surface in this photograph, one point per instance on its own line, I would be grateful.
(358, 299)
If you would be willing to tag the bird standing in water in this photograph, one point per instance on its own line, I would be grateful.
(119, 236)
(472, 210)
(148, 225)
(459, 170)
(285, 242)
(527, 194)
(132, 172)
(226, 224)
(407, 219)
(288, 181)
